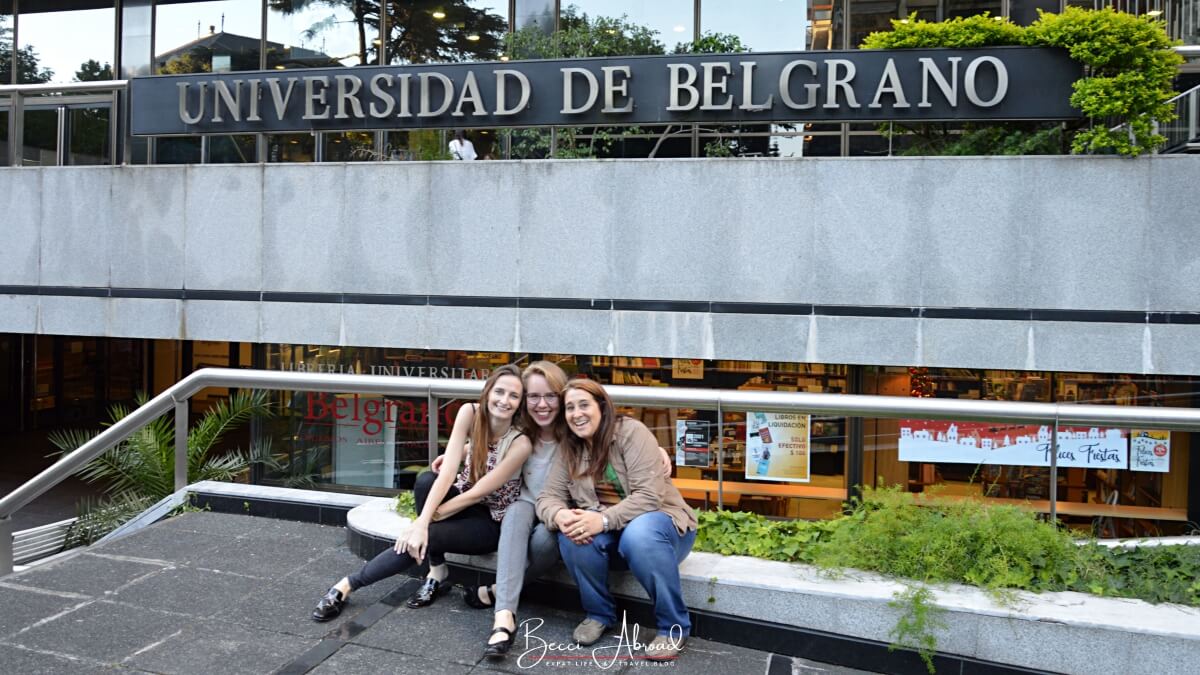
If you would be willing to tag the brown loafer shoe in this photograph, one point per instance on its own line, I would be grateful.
(589, 632)
(664, 648)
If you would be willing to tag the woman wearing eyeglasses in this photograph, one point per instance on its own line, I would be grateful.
(527, 549)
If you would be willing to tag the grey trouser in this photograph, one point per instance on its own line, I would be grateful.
(521, 557)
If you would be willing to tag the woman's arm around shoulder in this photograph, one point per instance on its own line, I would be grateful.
(514, 458)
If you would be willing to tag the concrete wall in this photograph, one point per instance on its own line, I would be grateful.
(1057, 263)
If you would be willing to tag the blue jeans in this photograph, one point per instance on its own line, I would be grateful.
(652, 549)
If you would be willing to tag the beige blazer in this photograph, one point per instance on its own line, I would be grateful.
(635, 458)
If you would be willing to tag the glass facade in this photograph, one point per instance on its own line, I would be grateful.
(377, 444)
(67, 46)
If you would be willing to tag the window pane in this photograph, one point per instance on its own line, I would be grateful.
(6, 48)
(68, 46)
(671, 21)
(827, 24)
(538, 13)
(417, 145)
(320, 35)
(448, 32)
(869, 16)
(3, 138)
(237, 149)
(41, 133)
(972, 7)
(350, 146)
(177, 150)
(137, 48)
(291, 148)
(89, 136)
(203, 37)
(762, 25)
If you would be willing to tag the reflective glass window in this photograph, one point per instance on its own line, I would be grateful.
(827, 25)
(761, 25)
(3, 137)
(670, 22)
(177, 150)
(420, 145)
(137, 47)
(90, 139)
(538, 13)
(450, 31)
(321, 34)
(349, 146)
(955, 8)
(207, 37)
(67, 46)
(6, 47)
(291, 148)
(869, 16)
(40, 145)
(234, 149)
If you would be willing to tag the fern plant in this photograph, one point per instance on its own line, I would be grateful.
(141, 469)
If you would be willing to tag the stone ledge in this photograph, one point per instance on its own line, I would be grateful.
(1062, 632)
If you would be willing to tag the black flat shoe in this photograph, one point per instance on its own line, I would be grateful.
(427, 593)
(497, 650)
(329, 606)
(471, 597)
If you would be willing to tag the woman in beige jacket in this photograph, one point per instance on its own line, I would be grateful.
(612, 507)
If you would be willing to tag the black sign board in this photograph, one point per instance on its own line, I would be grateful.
(862, 86)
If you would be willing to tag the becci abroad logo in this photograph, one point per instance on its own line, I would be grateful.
(627, 650)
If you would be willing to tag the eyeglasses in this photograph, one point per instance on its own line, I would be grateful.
(535, 399)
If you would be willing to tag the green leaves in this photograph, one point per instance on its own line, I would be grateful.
(143, 466)
(939, 540)
(1129, 67)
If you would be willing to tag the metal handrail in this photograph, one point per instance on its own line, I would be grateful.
(43, 88)
(846, 405)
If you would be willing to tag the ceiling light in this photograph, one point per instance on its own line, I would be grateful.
(473, 37)
(439, 14)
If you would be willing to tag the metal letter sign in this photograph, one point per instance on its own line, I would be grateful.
(999, 83)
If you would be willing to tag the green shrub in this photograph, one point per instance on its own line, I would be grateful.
(931, 540)
(1129, 68)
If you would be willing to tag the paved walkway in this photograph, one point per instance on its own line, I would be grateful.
(207, 593)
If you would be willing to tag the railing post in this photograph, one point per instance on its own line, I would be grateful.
(720, 458)
(6, 546)
(1054, 472)
(1193, 115)
(431, 404)
(181, 444)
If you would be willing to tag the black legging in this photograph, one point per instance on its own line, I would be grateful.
(471, 531)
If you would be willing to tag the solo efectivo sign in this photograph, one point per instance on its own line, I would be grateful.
(860, 86)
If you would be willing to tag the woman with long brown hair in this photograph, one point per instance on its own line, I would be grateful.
(613, 508)
(456, 515)
(527, 550)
